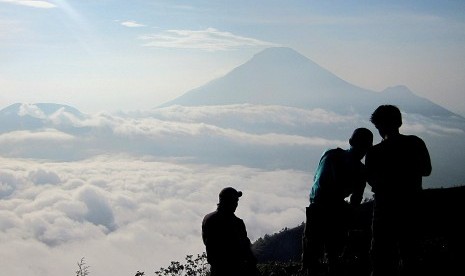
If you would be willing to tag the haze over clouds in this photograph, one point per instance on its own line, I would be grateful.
(269, 137)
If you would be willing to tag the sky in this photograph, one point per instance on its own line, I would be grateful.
(114, 55)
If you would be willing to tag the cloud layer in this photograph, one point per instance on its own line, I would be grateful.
(112, 208)
(128, 191)
(267, 137)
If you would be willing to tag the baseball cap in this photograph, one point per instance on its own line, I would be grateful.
(229, 193)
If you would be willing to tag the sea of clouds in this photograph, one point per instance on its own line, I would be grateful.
(128, 191)
(125, 214)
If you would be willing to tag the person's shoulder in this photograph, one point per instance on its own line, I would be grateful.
(238, 220)
(337, 150)
(334, 152)
(210, 216)
(413, 137)
(413, 140)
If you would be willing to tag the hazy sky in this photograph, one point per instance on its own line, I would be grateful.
(127, 55)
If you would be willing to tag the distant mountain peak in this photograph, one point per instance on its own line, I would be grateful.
(283, 76)
(398, 89)
(26, 116)
(276, 76)
(280, 53)
(277, 50)
(47, 109)
(409, 102)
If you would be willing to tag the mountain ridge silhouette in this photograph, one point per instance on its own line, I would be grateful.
(282, 76)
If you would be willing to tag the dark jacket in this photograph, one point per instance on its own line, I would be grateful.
(227, 245)
(396, 167)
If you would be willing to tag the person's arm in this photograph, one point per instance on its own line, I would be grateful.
(246, 245)
(210, 239)
(425, 160)
(324, 175)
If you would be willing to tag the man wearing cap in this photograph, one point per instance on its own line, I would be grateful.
(340, 174)
(225, 237)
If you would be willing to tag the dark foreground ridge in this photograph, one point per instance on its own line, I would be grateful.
(443, 239)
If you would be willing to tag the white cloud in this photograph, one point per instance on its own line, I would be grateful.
(140, 205)
(42, 176)
(252, 135)
(154, 208)
(8, 184)
(44, 136)
(31, 110)
(209, 39)
(249, 131)
(32, 3)
(99, 211)
(249, 113)
(161, 130)
(420, 125)
(132, 24)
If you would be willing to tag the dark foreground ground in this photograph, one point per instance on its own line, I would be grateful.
(442, 248)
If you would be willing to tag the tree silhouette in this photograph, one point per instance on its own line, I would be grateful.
(83, 268)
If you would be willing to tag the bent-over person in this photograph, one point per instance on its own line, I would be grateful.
(340, 174)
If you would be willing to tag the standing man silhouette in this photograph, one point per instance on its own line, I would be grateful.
(395, 169)
(340, 174)
(225, 237)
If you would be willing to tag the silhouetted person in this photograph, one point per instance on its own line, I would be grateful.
(225, 237)
(395, 169)
(340, 174)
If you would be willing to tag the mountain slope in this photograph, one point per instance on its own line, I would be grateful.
(408, 101)
(277, 76)
(282, 76)
(45, 108)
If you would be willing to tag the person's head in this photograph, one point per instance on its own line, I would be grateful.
(360, 141)
(387, 119)
(228, 199)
